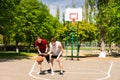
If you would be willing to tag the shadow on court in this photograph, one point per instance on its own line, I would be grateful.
(90, 68)
(79, 57)
(9, 56)
(45, 72)
(87, 55)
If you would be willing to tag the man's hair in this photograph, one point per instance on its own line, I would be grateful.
(53, 40)
(39, 37)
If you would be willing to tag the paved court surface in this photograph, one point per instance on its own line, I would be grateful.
(91, 68)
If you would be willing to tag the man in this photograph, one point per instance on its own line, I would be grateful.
(57, 50)
(42, 47)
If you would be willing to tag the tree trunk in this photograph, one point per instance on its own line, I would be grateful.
(5, 42)
(17, 49)
(28, 49)
(102, 37)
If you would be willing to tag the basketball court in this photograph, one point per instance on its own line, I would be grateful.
(86, 68)
(91, 68)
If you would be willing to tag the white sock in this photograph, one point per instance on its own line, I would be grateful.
(52, 72)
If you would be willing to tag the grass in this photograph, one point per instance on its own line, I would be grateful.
(14, 55)
(84, 48)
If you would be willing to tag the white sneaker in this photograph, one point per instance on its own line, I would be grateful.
(38, 73)
(52, 73)
(41, 73)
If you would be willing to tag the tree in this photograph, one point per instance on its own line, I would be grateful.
(22, 20)
(113, 33)
(91, 10)
(32, 18)
(73, 4)
(106, 19)
(63, 18)
(57, 12)
(7, 18)
(85, 11)
(86, 31)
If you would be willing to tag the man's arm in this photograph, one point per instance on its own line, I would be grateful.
(61, 51)
(46, 48)
(38, 49)
(50, 48)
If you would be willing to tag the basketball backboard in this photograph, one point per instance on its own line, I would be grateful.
(73, 14)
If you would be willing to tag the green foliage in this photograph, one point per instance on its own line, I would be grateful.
(57, 12)
(23, 20)
(7, 18)
(38, 20)
(113, 35)
(7, 8)
(107, 14)
(61, 33)
(86, 31)
(113, 31)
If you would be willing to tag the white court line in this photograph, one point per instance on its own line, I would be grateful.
(73, 72)
(108, 73)
(30, 73)
(89, 71)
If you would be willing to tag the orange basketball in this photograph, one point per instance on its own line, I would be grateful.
(39, 58)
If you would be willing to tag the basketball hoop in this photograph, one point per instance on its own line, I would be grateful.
(73, 21)
(73, 14)
(73, 17)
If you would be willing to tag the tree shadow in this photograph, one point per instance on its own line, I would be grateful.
(78, 57)
(9, 56)
(91, 55)
(85, 56)
(117, 55)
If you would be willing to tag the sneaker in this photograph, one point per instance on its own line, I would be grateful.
(52, 73)
(61, 73)
(40, 73)
(49, 70)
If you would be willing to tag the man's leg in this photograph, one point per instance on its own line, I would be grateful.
(50, 62)
(51, 66)
(61, 66)
(39, 67)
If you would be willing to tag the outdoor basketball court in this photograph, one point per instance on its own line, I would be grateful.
(91, 68)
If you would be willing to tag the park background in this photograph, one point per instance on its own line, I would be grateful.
(21, 21)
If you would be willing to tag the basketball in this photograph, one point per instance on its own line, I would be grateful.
(39, 58)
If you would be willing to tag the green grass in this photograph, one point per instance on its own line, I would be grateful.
(85, 48)
(14, 55)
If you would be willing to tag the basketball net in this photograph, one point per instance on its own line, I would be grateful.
(73, 21)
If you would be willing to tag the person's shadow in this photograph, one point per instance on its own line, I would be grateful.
(44, 72)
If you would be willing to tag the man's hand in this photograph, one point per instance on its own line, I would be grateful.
(46, 52)
(42, 54)
(57, 58)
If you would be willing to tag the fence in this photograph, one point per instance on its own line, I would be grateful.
(83, 46)
(20, 47)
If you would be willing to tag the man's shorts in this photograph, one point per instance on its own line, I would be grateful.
(55, 56)
(47, 57)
